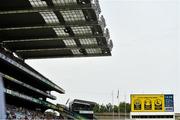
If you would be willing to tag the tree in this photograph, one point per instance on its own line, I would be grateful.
(115, 108)
(103, 108)
(110, 108)
(124, 105)
(96, 108)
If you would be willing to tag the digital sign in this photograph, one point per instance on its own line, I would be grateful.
(152, 103)
(169, 103)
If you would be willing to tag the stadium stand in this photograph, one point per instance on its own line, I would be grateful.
(33, 29)
(14, 112)
(83, 108)
(24, 86)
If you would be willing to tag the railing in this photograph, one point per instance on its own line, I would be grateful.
(30, 98)
(13, 62)
(28, 86)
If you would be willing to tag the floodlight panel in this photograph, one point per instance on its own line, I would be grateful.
(64, 2)
(76, 52)
(49, 17)
(94, 50)
(82, 30)
(73, 15)
(38, 3)
(70, 43)
(60, 31)
(88, 41)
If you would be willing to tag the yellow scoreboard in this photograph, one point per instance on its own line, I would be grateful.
(147, 103)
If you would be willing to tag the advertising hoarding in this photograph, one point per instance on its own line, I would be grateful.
(152, 103)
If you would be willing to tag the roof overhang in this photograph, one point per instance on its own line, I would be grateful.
(54, 28)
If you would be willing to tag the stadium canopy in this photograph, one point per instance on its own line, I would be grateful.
(83, 102)
(34, 29)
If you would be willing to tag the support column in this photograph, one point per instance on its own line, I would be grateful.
(2, 100)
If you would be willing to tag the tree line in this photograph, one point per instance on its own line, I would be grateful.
(110, 108)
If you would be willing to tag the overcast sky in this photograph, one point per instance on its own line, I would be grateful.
(145, 57)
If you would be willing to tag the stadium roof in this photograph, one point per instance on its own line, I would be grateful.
(83, 102)
(53, 28)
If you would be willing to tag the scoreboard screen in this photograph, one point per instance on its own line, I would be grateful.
(152, 103)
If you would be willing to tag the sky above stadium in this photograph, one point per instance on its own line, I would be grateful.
(145, 57)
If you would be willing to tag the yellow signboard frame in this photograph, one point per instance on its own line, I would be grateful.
(147, 103)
